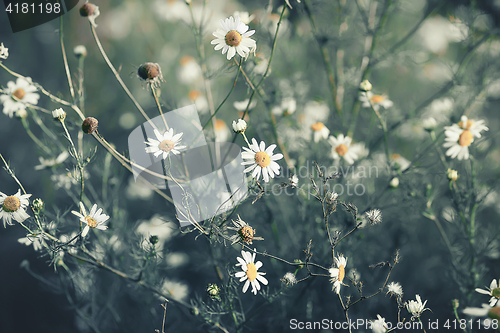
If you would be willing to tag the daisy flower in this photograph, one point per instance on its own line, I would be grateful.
(289, 279)
(234, 38)
(485, 310)
(460, 136)
(17, 95)
(165, 143)
(320, 131)
(93, 220)
(52, 162)
(244, 232)
(341, 147)
(337, 274)
(493, 291)
(395, 289)
(13, 207)
(377, 101)
(250, 272)
(261, 160)
(416, 307)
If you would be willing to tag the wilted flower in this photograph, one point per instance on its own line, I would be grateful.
(374, 216)
(38, 204)
(151, 73)
(13, 207)
(379, 325)
(239, 126)
(244, 232)
(4, 52)
(395, 289)
(89, 125)
(250, 273)
(234, 37)
(51, 162)
(261, 160)
(289, 279)
(34, 239)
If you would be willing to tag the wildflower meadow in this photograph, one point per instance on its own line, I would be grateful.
(250, 166)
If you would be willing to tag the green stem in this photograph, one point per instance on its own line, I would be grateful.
(65, 60)
(33, 136)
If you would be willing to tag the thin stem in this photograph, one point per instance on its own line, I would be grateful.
(65, 59)
(159, 107)
(33, 136)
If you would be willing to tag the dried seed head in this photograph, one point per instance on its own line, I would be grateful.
(89, 125)
(151, 73)
(11, 204)
(88, 9)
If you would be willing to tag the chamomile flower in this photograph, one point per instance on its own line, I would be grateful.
(4, 52)
(244, 232)
(493, 291)
(13, 207)
(395, 289)
(94, 219)
(337, 274)
(261, 160)
(250, 273)
(234, 37)
(320, 131)
(341, 147)
(377, 101)
(379, 325)
(17, 95)
(415, 308)
(165, 143)
(460, 136)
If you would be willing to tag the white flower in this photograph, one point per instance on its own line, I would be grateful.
(294, 180)
(172, 10)
(287, 107)
(460, 136)
(244, 17)
(166, 143)
(222, 132)
(189, 71)
(17, 95)
(394, 182)
(394, 288)
(374, 216)
(157, 226)
(368, 99)
(52, 162)
(239, 126)
(4, 52)
(59, 114)
(13, 207)
(177, 290)
(416, 307)
(379, 325)
(429, 124)
(250, 272)
(289, 279)
(337, 274)
(242, 106)
(341, 148)
(32, 239)
(261, 160)
(320, 131)
(399, 162)
(80, 51)
(93, 220)
(493, 291)
(452, 174)
(365, 85)
(234, 38)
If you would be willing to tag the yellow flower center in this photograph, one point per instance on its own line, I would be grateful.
(166, 145)
(91, 222)
(341, 273)
(317, 127)
(219, 124)
(246, 234)
(341, 149)
(262, 159)
(468, 124)
(19, 93)
(377, 99)
(251, 272)
(11, 204)
(194, 94)
(233, 38)
(465, 138)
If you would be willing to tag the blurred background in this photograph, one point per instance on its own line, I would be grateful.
(438, 71)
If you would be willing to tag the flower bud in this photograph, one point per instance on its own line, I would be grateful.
(394, 182)
(239, 126)
(365, 86)
(429, 124)
(59, 114)
(38, 204)
(153, 239)
(21, 113)
(89, 125)
(90, 11)
(4, 52)
(80, 51)
(213, 291)
(452, 174)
